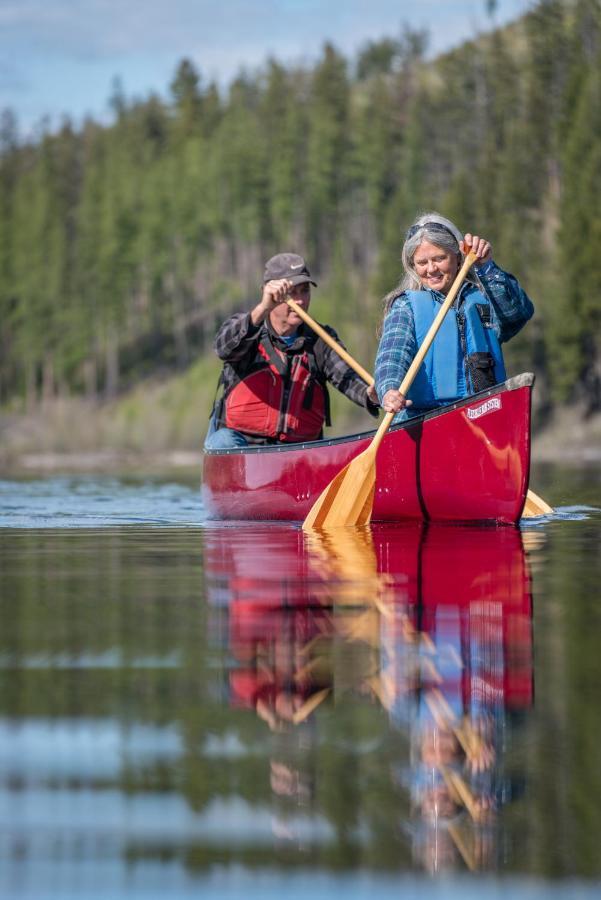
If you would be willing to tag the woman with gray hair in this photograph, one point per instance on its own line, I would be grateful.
(466, 356)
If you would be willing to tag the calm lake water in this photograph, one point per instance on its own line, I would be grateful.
(194, 709)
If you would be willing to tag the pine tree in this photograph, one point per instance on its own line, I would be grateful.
(327, 150)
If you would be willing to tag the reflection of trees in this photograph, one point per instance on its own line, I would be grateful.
(97, 624)
(111, 627)
(556, 833)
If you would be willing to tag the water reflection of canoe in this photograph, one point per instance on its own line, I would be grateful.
(466, 462)
(291, 605)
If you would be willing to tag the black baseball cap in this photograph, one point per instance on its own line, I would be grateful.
(287, 265)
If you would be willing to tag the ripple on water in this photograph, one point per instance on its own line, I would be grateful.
(63, 502)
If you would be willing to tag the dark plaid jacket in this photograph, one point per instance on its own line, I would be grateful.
(237, 342)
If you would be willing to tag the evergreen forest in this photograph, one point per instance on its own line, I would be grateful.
(124, 245)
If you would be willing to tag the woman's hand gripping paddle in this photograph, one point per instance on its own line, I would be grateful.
(348, 499)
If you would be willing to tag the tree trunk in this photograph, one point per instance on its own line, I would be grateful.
(90, 378)
(48, 381)
(111, 361)
(182, 350)
(31, 393)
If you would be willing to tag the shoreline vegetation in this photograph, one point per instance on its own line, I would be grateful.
(124, 246)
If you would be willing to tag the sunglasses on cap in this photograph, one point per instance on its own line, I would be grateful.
(431, 226)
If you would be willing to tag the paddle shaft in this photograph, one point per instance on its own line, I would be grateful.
(329, 340)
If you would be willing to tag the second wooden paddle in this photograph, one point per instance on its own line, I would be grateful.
(535, 506)
(329, 340)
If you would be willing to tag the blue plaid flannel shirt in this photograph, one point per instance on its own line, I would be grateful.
(511, 309)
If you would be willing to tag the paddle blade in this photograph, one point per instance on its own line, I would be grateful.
(348, 499)
(535, 506)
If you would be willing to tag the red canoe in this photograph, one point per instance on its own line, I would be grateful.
(468, 462)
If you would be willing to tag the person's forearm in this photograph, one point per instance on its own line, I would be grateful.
(511, 304)
(341, 376)
(396, 351)
(355, 389)
(259, 313)
(235, 337)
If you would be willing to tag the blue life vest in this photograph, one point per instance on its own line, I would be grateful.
(447, 372)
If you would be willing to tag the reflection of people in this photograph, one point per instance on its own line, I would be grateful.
(275, 368)
(453, 752)
(293, 779)
(434, 622)
(466, 356)
(453, 790)
(456, 662)
(282, 671)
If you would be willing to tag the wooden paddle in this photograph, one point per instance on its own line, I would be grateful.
(329, 340)
(534, 506)
(309, 705)
(348, 499)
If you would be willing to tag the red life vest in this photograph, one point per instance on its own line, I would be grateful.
(280, 398)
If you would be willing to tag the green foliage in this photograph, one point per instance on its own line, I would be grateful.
(377, 58)
(123, 246)
(575, 323)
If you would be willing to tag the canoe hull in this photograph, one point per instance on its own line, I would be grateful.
(467, 462)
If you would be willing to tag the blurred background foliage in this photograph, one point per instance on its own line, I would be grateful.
(123, 246)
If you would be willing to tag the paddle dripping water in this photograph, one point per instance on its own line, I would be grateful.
(348, 499)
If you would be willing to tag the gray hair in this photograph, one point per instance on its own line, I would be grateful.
(435, 229)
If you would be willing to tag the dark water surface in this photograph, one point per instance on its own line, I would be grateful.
(190, 709)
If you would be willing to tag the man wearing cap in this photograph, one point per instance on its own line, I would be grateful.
(275, 368)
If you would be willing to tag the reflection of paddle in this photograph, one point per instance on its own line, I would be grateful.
(347, 562)
(444, 717)
(309, 705)
(348, 499)
(467, 855)
(459, 789)
(534, 506)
